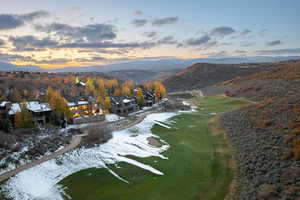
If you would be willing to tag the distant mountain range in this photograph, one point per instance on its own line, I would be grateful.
(149, 64)
(10, 67)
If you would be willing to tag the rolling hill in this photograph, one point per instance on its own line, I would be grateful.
(205, 74)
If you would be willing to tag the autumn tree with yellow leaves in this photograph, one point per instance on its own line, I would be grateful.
(113, 83)
(58, 104)
(126, 91)
(159, 89)
(117, 92)
(23, 119)
(90, 87)
(107, 104)
(101, 88)
(139, 96)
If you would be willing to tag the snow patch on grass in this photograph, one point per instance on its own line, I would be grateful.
(41, 182)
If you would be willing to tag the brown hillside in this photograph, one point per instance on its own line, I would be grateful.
(204, 74)
(266, 135)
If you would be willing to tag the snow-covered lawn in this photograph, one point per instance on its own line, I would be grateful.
(112, 117)
(40, 182)
(26, 145)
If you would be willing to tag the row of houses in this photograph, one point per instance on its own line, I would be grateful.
(40, 111)
(84, 109)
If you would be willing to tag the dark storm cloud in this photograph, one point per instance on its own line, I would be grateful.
(92, 59)
(11, 21)
(30, 42)
(2, 42)
(217, 54)
(150, 34)
(52, 61)
(247, 44)
(263, 32)
(104, 45)
(198, 41)
(274, 43)
(11, 57)
(138, 12)
(139, 22)
(246, 32)
(279, 51)
(88, 33)
(222, 31)
(33, 15)
(167, 40)
(240, 51)
(164, 21)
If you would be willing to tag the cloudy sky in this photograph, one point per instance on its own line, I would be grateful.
(58, 33)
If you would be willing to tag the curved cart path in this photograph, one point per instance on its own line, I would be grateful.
(75, 141)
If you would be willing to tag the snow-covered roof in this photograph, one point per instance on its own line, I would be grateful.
(127, 100)
(45, 107)
(83, 102)
(3, 103)
(36, 106)
(15, 107)
(82, 83)
(70, 104)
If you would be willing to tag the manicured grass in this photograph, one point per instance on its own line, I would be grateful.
(219, 103)
(197, 168)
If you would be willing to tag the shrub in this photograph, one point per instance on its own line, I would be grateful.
(296, 152)
(23, 119)
(264, 103)
(296, 131)
(287, 139)
(293, 124)
(6, 140)
(97, 135)
(171, 105)
(279, 127)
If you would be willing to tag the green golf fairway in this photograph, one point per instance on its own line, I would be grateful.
(194, 168)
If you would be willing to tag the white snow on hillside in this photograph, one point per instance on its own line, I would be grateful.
(41, 182)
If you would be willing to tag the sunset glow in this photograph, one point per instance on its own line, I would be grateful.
(54, 35)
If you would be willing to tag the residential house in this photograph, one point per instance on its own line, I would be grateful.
(79, 83)
(85, 109)
(3, 109)
(40, 111)
(123, 105)
(149, 98)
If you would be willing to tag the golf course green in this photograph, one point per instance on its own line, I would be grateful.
(198, 164)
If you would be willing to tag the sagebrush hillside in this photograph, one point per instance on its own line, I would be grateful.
(267, 133)
(201, 75)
